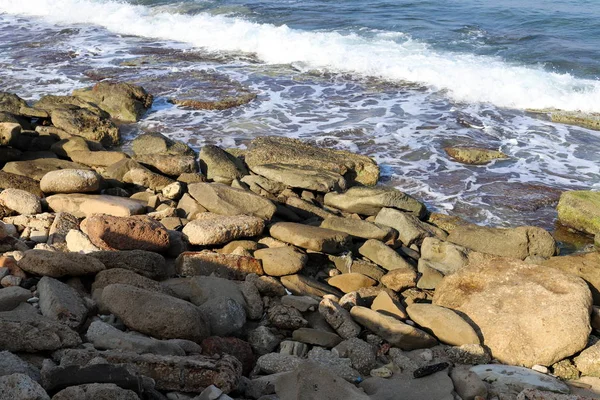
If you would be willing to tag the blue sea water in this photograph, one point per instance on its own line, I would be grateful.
(396, 80)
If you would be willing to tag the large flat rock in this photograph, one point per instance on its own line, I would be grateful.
(83, 205)
(311, 237)
(369, 201)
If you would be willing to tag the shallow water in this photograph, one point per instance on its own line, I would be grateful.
(398, 81)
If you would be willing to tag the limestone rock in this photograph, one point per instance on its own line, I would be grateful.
(311, 237)
(580, 209)
(221, 229)
(83, 205)
(399, 279)
(56, 265)
(126, 233)
(146, 178)
(369, 201)
(506, 379)
(225, 200)
(584, 265)
(499, 296)
(86, 123)
(36, 169)
(14, 181)
(397, 333)
(281, 261)
(385, 304)
(445, 256)
(21, 201)
(410, 229)
(444, 323)
(520, 242)
(138, 309)
(97, 158)
(305, 286)
(588, 361)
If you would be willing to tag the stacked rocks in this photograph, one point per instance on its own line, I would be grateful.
(286, 273)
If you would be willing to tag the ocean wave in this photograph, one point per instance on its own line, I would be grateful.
(464, 77)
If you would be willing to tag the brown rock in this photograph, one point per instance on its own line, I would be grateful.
(351, 282)
(235, 347)
(228, 266)
(385, 304)
(584, 266)
(399, 279)
(311, 237)
(281, 261)
(56, 265)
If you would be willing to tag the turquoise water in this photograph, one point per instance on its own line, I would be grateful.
(396, 80)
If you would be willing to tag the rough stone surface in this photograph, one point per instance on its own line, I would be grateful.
(156, 143)
(14, 181)
(339, 319)
(126, 233)
(583, 265)
(358, 228)
(21, 201)
(316, 337)
(397, 333)
(146, 263)
(70, 181)
(228, 266)
(123, 101)
(399, 279)
(83, 205)
(61, 303)
(474, 155)
(499, 297)
(385, 304)
(137, 308)
(11, 297)
(36, 169)
(521, 242)
(220, 229)
(580, 209)
(285, 317)
(443, 323)
(96, 391)
(305, 286)
(56, 265)
(235, 347)
(220, 166)
(437, 386)
(302, 176)
(86, 123)
(262, 340)
(21, 387)
(223, 315)
(588, 362)
(311, 237)
(281, 261)
(445, 257)
(225, 200)
(369, 201)
(171, 165)
(351, 282)
(362, 354)
(384, 256)
(410, 229)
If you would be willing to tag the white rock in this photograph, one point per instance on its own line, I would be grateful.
(21, 202)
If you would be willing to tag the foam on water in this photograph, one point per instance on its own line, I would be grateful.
(466, 77)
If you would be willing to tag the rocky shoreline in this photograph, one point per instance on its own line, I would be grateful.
(278, 272)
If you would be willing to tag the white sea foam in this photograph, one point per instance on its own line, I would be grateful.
(466, 77)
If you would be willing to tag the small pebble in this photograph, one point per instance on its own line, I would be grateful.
(382, 372)
(540, 368)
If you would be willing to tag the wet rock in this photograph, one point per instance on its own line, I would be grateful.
(23, 330)
(225, 200)
(219, 229)
(580, 210)
(369, 201)
(86, 123)
(61, 303)
(355, 168)
(339, 319)
(11, 297)
(137, 308)
(228, 266)
(474, 155)
(394, 331)
(578, 118)
(21, 201)
(106, 337)
(145, 263)
(123, 101)
(218, 165)
(499, 296)
(384, 256)
(282, 260)
(410, 229)
(96, 391)
(520, 242)
(311, 237)
(351, 282)
(156, 143)
(56, 265)
(83, 205)
(11, 103)
(444, 323)
(17, 181)
(22, 387)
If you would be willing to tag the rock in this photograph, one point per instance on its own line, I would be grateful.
(225, 200)
(311, 237)
(97, 158)
(362, 354)
(138, 308)
(588, 361)
(126, 233)
(61, 226)
(584, 265)
(220, 229)
(262, 340)
(285, 317)
(302, 176)
(472, 354)
(394, 331)
(220, 166)
(228, 266)
(520, 242)
(443, 323)
(56, 265)
(70, 181)
(78, 242)
(282, 260)
(21, 201)
(430, 277)
(61, 303)
(224, 315)
(11, 297)
(467, 384)
(385, 304)
(384, 256)
(156, 143)
(399, 279)
(23, 330)
(339, 319)
(358, 228)
(124, 276)
(106, 337)
(517, 378)
(146, 178)
(146, 263)
(351, 282)
(22, 387)
(88, 124)
(499, 296)
(580, 210)
(437, 386)
(15, 181)
(123, 101)
(83, 205)
(341, 367)
(12, 364)
(96, 391)
(290, 347)
(300, 303)
(410, 228)
(169, 164)
(369, 201)
(578, 118)
(273, 363)
(36, 169)
(474, 155)
(346, 264)
(445, 256)
(253, 301)
(316, 337)
(305, 286)
(311, 381)
(235, 347)
(565, 370)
